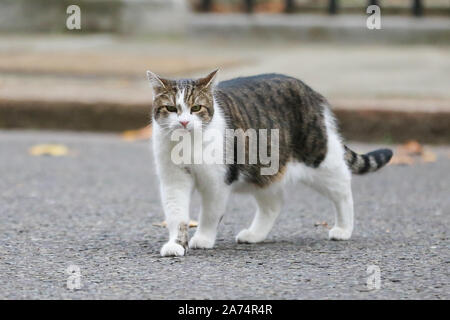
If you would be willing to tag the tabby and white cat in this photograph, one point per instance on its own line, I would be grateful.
(310, 150)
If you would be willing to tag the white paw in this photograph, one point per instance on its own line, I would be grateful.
(201, 242)
(246, 236)
(339, 234)
(172, 249)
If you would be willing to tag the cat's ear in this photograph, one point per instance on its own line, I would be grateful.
(156, 82)
(209, 81)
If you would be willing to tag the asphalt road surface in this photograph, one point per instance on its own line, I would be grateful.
(94, 209)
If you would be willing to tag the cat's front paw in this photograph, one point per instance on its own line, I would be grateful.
(201, 242)
(339, 234)
(172, 249)
(246, 236)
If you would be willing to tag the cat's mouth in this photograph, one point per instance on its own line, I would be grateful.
(184, 129)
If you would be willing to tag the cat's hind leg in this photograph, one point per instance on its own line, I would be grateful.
(343, 202)
(333, 179)
(269, 202)
(335, 183)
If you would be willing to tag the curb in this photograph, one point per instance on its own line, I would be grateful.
(394, 126)
(366, 125)
(72, 115)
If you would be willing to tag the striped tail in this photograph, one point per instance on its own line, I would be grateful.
(369, 162)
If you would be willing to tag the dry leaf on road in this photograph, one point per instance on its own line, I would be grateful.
(412, 152)
(402, 159)
(322, 224)
(428, 156)
(411, 147)
(139, 134)
(55, 150)
(192, 224)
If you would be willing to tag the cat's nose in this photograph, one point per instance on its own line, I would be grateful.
(184, 123)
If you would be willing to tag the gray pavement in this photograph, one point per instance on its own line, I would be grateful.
(95, 208)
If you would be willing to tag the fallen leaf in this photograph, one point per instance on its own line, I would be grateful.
(139, 134)
(412, 147)
(160, 224)
(55, 150)
(428, 156)
(192, 224)
(322, 224)
(412, 152)
(401, 159)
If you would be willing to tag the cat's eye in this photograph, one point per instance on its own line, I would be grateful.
(196, 108)
(171, 108)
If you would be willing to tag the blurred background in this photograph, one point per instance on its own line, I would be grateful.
(70, 196)
(387, 85)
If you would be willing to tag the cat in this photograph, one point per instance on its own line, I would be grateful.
(310, 150)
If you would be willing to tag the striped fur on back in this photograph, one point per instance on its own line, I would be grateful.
(274, 101)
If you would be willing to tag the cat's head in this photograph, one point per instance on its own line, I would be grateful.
(182, 104)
